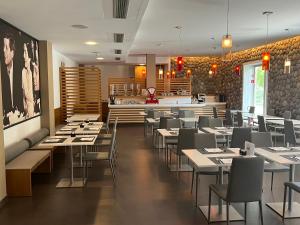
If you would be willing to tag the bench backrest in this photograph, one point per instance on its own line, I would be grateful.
(15, 150)
(36, 137)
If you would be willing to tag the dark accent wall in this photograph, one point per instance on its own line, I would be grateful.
(283, 89)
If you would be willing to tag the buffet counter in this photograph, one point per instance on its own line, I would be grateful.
(130, 113)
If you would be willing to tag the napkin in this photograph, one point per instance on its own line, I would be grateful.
(213, 150)
(279, 149)
(52, 140)
(87, 139)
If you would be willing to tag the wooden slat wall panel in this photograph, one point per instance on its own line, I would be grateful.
(131, 115)
(80, 91)
(173, 85)
(120, 82)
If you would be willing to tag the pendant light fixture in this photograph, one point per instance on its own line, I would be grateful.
(227, 39)
(179, 59)
(160, 73)
(287, 61)
(266, 56)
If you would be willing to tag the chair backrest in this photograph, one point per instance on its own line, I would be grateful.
(113, 141)
(107, 121)
(271, 112)
(287, 115)
(150, 113)
(203, 121)
(215, 112)
(205, 141)
(239, 117)
(163, 122)
(239, 136)
(261, 139)
(215, 122)
(186, 138)
(246, 179)
(251, 109)
(173, 123)
(289, 132)
(228, 118)
(261, 124)
(157, 114)
(186, 114)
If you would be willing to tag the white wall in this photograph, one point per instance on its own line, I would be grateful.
(20, 131)
(58, 59)
(113, 70)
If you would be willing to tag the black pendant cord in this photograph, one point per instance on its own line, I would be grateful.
(228, 4)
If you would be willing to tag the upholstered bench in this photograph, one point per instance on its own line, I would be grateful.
(36, 138)
(19, 166)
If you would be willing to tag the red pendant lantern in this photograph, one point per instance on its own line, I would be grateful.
(214, 68)
(237, 71)
(179, 62)
(266, 57)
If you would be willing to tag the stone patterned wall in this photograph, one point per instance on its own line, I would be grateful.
(201, 82)
(283, 89)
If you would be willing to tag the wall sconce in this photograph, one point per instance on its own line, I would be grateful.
(173, 74)
(237, 71)
(287, 66)
(188, 73)
(168, 75)
(266, 57)
(160, 73)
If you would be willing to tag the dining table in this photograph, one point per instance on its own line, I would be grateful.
(69, 142)
(83, 117)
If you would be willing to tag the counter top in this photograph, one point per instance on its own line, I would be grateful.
(166, 105)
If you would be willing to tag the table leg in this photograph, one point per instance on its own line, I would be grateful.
(220, 182)
(291, 179)
(72, 171)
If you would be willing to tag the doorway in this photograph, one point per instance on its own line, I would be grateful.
(255, 87)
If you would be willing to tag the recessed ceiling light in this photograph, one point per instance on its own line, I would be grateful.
(91, 43)
(99, 58)
(79, 26)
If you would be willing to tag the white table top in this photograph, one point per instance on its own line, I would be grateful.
(90, 124)
(172, 133)
(281, 122)
(67, 130)
(277, 156)
(218, 131)
(68, 141)
(83, 117)
(151, 120)
(194, 119)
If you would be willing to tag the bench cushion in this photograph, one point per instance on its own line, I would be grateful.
(37, 136)
(16, 149)
(29, 160)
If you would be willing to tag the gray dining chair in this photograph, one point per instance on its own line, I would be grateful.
(187, 114)
(217, 122)
(251, 109)
(185, 141)
(240, 120)
(245, 185)
(203, 121)
(215, 113)
(287, 115)
(239, 136)
(228, 118)
(108, 135)
(173, 123)
(289, 133)
(291, 185)
(263, 128)
(204, 141)
(109, 156)
(175, 110)
(264, 139)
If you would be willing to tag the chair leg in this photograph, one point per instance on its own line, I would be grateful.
(261, 213)
(197, 183)
(193, 174)
(227, 213)
(272, 178)
(209, 205)
(245, 212)
(284, 201)
(112, 172)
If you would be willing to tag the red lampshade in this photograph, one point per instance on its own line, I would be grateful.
(266, 57)
(188, 73)
(179, 62)
(237, 70)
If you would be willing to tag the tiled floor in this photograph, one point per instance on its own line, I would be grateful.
(146, 193)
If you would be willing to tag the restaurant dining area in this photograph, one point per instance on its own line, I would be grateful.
(121, 112)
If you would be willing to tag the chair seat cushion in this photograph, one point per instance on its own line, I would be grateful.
(219, 189)
(103, 142)
(90, 156)
(294, 185)
(171, 140)
(210, 171)
(275, 167)
(276, 134)
(104, 136)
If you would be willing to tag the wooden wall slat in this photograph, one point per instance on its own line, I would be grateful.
(80, 91)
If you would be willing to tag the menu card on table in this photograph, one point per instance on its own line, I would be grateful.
(54, 140)
(83, 139)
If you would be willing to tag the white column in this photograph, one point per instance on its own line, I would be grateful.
(150, 70)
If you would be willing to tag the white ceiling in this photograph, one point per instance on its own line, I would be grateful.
(203, 19)
(52, 19)
(149, 27)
